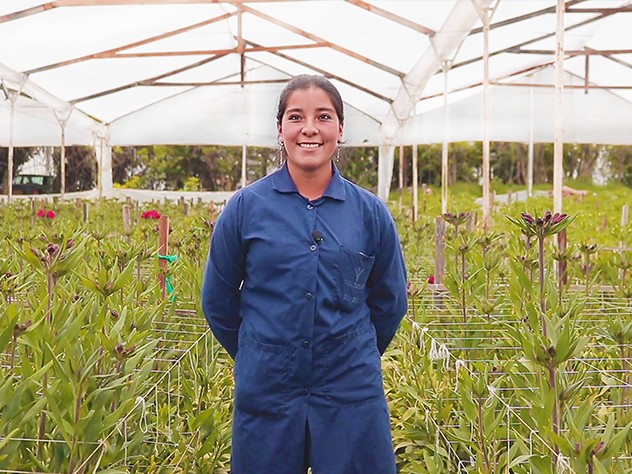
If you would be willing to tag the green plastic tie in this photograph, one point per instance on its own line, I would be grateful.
(170, 259)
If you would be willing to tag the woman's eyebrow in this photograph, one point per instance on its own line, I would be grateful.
(294, 109)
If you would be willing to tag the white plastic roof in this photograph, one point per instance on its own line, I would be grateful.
(141, 72)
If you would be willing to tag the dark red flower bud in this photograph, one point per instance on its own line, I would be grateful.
(599, 447)
(552, 351)
(119, 347)
(52, 249)
(557, 218)
(115, 314)
(70, 243)
(528, 218)
(547, 216)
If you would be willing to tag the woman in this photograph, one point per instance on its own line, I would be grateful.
(305, 287)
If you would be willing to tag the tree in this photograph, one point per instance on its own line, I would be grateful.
(20, 156)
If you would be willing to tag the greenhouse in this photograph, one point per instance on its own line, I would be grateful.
(514, 355)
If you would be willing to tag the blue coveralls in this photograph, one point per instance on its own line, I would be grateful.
(306, 296)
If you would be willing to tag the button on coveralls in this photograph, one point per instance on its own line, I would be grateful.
(306, 296)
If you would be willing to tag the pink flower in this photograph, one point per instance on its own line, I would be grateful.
(431, 279)
(50, 214)
(150, 215)
(41, 213)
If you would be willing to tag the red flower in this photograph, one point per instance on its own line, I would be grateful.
(41, 213)
(431, 279)
(50, 214)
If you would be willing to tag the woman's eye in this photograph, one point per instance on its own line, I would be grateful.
(294, 117)
(325, 117)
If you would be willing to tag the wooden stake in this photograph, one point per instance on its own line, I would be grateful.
(625, 215)
(439, 250)
(401, 175)
(86, 211)
(127, 221)
(163, 249)
(185, 209)
(415, 185)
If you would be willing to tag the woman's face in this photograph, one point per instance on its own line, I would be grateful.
(310, 129)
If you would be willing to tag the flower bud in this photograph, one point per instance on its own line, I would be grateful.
(528, 218)
(547, 217)
(600, 445)
(557, 218)
(552, 351)
(115, 314)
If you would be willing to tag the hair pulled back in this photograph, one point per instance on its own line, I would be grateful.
(306, 81)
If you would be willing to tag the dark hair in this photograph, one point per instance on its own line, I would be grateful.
(305, 81)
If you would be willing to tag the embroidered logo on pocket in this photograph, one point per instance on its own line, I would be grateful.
(359, 271)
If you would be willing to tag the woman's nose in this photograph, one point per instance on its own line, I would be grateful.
(309, 128)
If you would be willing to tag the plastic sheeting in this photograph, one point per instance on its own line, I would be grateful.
(169, 71)
(600, 116)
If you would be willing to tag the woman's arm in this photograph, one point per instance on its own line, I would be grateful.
(225, 271)
(387, 282)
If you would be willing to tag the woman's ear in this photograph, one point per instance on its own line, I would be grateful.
(340, 130)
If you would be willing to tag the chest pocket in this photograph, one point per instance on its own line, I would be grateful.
(353, 273)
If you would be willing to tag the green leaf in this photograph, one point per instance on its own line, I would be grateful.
(12, 315)
(124, 278)
(8, 437)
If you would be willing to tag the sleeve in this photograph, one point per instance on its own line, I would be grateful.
(224, 274)
(387, 282)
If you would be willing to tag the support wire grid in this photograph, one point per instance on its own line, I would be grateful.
(159, 426)
(453, 344)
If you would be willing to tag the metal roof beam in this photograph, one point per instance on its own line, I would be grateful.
(147, 82)
(328, 74)
(112, 52)
(535, 40)
(393, 17)
(317, 39)
(218, 83)
(616, 60)
(583, 52)
(526, 16)
(215, 51)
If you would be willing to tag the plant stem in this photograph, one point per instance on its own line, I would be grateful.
(15, 343)
(463, 288)
(50, 286)
(42, 425)
(542, 298)
(626, 375)
(481, 435)
(555, 416)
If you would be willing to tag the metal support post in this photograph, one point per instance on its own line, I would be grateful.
(558, 150)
